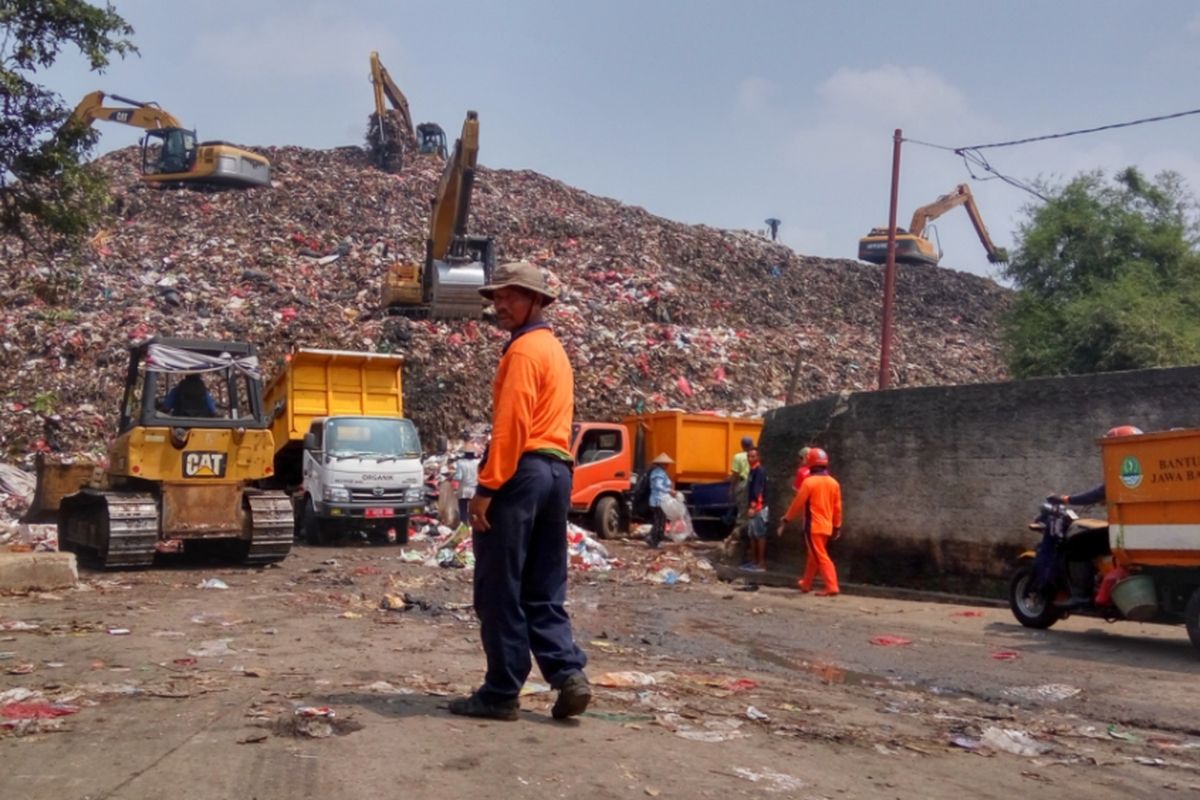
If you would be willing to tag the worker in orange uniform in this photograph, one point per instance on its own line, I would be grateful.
(820, 501)
(519, 511)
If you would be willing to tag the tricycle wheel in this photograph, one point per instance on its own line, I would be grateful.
(606, 519)
(1033, 608)
(1191, 617)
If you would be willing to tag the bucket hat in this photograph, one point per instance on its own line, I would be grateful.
(520, 274)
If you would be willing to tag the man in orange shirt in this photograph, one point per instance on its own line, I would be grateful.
(820, 501)
(519, 511)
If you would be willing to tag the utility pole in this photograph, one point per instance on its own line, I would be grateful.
(774, 224)
(889, 271)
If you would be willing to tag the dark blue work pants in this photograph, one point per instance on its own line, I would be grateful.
(521, 580)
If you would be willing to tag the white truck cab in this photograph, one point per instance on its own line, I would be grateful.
(360, 473)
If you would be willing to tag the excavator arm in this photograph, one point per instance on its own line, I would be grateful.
(142, 115)
(926, 214)
(996, 255)
(386, 87)
(452, 203)
(961, 196)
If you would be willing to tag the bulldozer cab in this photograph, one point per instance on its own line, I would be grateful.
(185, 383)
(168, 151)
(431, 139)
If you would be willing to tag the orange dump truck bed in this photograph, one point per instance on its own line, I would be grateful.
(1152, 486)
(701, 444)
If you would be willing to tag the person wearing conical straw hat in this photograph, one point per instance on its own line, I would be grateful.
(660, 489)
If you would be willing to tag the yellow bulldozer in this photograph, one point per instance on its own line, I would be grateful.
(170, 155)
(192, 439)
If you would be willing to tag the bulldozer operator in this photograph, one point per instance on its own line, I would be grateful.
(190, 398)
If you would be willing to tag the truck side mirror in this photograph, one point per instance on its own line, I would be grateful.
(310, 441)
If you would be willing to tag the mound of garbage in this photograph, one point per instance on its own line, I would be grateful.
(654, 314)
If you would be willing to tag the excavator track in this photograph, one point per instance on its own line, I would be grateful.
(115, 530)
(271, 527)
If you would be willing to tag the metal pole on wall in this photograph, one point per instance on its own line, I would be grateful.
(889, 270)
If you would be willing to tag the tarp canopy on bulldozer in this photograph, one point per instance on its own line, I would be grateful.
(165, 358)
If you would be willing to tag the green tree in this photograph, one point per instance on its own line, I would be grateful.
(45, 186)
(1107, 274)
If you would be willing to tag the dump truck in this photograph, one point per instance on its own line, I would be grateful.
(344, 451)
(609, 455)
(191, 446)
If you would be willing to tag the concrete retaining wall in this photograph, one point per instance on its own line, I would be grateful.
(939, 483)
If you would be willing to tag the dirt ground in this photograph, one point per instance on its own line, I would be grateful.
(707, 690)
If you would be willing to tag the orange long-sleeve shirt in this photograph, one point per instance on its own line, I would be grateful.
(533, 400)
(823, 496)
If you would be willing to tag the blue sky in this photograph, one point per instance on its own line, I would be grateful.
(719, 113)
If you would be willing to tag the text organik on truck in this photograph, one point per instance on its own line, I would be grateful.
(609, 454)
(343, 449)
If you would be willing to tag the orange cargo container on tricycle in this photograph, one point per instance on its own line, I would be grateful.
(1143, 563)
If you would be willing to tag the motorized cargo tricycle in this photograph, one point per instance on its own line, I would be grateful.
(1142, 564)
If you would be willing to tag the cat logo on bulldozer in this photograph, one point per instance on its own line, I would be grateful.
(199, 464)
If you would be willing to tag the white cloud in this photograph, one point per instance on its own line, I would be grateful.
(314, 42)
(905, 95)
(755, 94)
(850, 130)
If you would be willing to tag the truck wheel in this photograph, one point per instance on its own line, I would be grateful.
(310, 526)
(1033, 609)
(1191, 618)
(606, 519)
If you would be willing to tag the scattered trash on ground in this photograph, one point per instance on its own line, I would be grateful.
(212, 583)
(712, 730)
(213, 648)
(771, 780)
(1017, 742)
(1050, 692)
(888, 640)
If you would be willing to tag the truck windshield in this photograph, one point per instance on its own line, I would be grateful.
(371, 437)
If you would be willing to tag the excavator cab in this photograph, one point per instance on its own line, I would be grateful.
(168, 151)
(431, 139)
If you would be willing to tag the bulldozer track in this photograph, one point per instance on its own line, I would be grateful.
(115, 529)
(271, 527)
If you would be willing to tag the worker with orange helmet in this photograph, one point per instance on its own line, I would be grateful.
(820, 502)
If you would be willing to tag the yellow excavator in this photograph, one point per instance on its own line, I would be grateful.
(193, 441)
(913, 247)
(171, 156)
(390, 132)
(447, 283)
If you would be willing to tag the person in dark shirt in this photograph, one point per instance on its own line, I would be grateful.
(756, 528)
(190, 398)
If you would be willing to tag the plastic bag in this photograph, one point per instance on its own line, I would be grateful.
(679, 529)
(673, 507)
